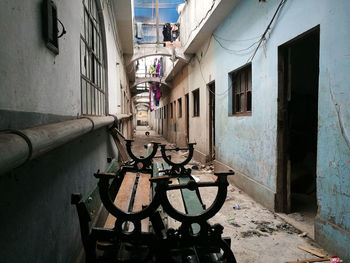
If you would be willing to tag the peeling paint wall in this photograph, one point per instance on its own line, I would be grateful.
(248, 143)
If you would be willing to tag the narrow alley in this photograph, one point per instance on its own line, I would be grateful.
(240, 115)
(257, 234)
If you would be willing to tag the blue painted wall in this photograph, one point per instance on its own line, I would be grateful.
(248, 143)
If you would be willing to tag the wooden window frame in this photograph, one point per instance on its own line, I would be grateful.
(242, 91)
(196, 103)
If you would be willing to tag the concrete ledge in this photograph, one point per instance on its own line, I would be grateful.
(256, 190)
(333, 238)
(199, 156)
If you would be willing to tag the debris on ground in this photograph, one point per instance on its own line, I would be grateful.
(304, 234)
(251, 233)
(310, 260)
(231, 222)
(288, 228)
(313, 252)
(264, 226)
(236, 206)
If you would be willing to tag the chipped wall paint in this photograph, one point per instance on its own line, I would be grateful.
(249, 143)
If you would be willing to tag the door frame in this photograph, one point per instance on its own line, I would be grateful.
(283, 187)
(211, 120)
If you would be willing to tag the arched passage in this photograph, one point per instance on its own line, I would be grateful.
(139, 81)
(176, 53)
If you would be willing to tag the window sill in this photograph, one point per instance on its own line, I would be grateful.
(241, 114)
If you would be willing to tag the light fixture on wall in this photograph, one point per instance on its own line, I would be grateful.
(50, 22)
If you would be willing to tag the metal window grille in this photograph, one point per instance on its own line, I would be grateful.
(91, 62)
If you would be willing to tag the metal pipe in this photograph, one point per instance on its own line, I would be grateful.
(157, 20)
(17, 149)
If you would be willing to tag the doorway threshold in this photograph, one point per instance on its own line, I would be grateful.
(305, 222)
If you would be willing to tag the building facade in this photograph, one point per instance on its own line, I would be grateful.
(282, 121)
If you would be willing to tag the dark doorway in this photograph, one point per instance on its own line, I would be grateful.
(297, 124)
(211, 121)
(187, 105)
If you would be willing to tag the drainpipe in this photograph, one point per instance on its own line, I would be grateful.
(19, 147)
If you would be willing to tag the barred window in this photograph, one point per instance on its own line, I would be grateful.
(91, 62)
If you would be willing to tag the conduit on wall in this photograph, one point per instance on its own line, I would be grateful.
(19, 147)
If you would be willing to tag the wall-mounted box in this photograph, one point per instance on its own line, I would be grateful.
(50, 27)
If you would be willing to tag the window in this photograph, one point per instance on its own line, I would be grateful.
(179, 105)
(91, 62)
(165, 108)
(171, 110)
(195, 95)
(174, 109)
(242, 91)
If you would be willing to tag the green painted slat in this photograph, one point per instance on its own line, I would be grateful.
(92, 200)
(192, 204)
(113, 167)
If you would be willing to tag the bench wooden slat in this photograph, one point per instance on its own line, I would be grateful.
(142, 197)
(123, 197)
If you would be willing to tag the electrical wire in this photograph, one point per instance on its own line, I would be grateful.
(200, 22)
(266, 30)
(237, 40)
(250, 59)
(239, 50)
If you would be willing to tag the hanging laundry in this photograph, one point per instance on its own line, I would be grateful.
(174, 31)
(139, 30)
(161, 67)
(152, 70)
(157, 70)
(158, 92)
(156, 102)
(167, 32)
(151, 97)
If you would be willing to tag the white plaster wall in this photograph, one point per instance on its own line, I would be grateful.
(115, 62)
(191, 16)
(201, 71)
(32, 78)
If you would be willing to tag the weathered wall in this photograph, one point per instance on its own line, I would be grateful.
(29, 79)
(180, 88)
(248, 144)
(37, 218)
(201, 71)
(38, 87)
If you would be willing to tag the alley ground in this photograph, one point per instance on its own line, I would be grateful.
(257, 235)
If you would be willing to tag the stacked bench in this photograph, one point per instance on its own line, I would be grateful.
(140, 233)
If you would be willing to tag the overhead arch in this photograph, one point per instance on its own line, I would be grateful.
(142, 52)
(143, 104)
(139, 81)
